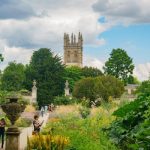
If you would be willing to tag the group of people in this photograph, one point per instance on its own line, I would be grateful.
(44, 109)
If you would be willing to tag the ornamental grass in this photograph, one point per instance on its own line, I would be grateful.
(47, 142)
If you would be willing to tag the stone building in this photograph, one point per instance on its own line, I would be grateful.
(73, 50)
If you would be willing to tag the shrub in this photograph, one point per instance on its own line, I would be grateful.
(64, 100)
(131, 129)
(108, 86)
(144, 88)
(23, 122)
(84, 88)
(84, 112)
(47, 142)
(100, 87)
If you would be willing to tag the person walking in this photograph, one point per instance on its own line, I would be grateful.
(36, 124)
(42, 111)
(2, 130)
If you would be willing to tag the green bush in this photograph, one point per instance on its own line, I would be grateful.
(100, 87)
(131, 128)
(64, 100)
(23, 122)
(144, 88)
(84, 112)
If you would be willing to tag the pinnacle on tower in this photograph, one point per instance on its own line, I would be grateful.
(72, 38)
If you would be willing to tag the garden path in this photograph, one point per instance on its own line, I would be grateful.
(28, 131)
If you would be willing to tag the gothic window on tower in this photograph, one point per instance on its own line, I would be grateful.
(75, 57)
(68, 56)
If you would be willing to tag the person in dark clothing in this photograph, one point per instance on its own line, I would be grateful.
(37, 125)
(2, 130)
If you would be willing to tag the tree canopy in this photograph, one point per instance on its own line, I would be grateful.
(91, 72)
(119, 65)
(13, 77)
(73, 74)
(84, 88)
(48, 70)
(99, 87)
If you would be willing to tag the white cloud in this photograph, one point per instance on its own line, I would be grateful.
(47, 29)
(124, 11)
(142, 71)
(17, 54)
(93, 62)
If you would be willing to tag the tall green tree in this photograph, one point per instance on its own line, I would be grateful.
(48, 70)
(91, 72)
(13, 77)
(73, 74)
(119, 65)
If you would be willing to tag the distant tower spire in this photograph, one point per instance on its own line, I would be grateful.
(72, 38)
(73, 49)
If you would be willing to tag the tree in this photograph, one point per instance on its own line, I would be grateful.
(108, 86)
(144, 88)
(119, 65)
(84, 88)
(133, 80)
(73, 74)
(99, 87)
(91, 72)
(48, 70)
(13, 77)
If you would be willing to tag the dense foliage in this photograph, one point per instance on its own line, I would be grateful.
(64, 100)
(119, 65)
(144, 88)
(84, 134)
(48, 71)
(108, 86)
(72, 74)
(131, 129)
(13, 77)
(91, 72)
(85, 88)
(99, 87)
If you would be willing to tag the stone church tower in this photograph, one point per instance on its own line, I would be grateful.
(73, 50)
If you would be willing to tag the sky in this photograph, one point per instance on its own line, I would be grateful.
(27, 25)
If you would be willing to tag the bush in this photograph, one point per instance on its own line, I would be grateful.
(131, 129)
(64, 100)
(144, 88)
(23, 122)
(108, 86)
(84, 88)
(100, 87)
(84, 112)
